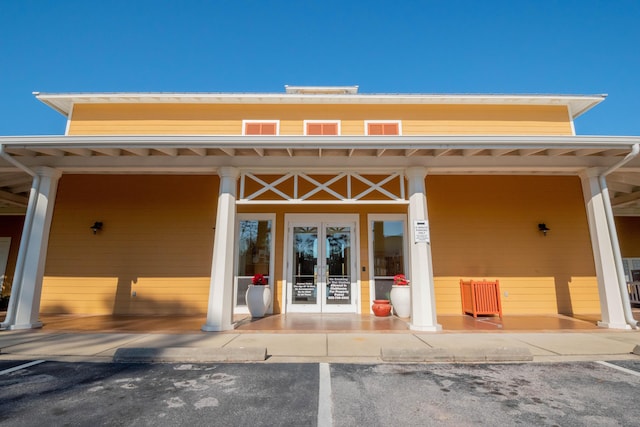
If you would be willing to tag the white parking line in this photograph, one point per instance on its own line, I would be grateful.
(325, 418)
(619, 368)
(23, 366)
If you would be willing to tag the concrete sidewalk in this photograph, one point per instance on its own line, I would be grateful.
(321, 347)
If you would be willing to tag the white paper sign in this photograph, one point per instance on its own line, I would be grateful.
(421, 231)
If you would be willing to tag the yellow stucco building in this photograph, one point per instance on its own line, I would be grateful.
(169, 203)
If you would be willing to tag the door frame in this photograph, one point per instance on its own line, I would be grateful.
(322, 220)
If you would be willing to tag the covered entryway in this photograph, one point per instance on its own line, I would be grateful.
(321, 264)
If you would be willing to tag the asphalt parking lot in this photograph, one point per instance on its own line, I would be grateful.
(80, 394)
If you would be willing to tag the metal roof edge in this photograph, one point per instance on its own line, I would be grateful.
(63, 102)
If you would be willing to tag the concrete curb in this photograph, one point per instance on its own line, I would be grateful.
(189, 354)
(459, 355)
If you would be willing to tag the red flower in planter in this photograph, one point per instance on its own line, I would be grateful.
(259, 280)
(400, 280)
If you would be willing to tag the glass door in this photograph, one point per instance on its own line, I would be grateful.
(337, 268)
(322, 268)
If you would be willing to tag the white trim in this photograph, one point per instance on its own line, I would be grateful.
(69, 118)
(245, 122)
(272, 257)
(306, 122)
(318, 186)
(571, 121)
(398, 122)
(63, 102)
(321, 220)
(314, 141)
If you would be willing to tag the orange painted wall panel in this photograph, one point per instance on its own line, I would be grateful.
(486, 227)
(628, 228)
(156, 243)
(203, 119)
(158, 234)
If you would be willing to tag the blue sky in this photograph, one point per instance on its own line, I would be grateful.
(454, 46)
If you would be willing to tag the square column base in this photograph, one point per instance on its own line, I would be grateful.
(435, 328)
(36, 325)
(608, 325)
(218, 328)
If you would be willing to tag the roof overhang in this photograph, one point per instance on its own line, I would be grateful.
(295, 141)
(204, 154)
(63, 102)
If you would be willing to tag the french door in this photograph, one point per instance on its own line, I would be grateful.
(321, 264)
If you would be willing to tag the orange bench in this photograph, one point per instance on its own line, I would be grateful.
(480, 297)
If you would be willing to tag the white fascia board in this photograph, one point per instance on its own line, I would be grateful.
(324, 142)
(63, 102)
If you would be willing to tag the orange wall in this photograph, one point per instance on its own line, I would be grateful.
(628, 228)
(157, 241)
(158, 235)
(487, 227)
(178, 119)
(11, 226)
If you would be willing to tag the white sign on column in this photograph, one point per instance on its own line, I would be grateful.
(421, 231)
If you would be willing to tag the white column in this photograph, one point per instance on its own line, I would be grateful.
(220, 311)
(608, 287)
(423, 304)
(28, 287)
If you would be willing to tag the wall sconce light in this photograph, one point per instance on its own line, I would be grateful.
(543, 227)
(97, 226)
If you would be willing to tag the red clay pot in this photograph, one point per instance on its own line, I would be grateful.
(381, 307)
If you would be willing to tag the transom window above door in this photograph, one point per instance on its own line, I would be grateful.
(267, 127)
(382, 128)
(329, 127)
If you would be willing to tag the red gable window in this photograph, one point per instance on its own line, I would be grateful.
(322, 128)
(255, 128)
(383, 129)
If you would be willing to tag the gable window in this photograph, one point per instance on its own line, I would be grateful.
(253, 127)
(382, 128)
(312, 127)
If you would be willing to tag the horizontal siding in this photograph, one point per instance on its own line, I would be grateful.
(156, 242)
(531, 295)
(202, 119)
(486, 227)
(78, 295)
(158, 233)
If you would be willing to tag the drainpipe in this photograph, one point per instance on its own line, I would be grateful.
(24, 239)
(615, 244)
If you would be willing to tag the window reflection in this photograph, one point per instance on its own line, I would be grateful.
(388, 255)
(254, 254)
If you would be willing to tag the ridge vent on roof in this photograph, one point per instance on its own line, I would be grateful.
(321, 90)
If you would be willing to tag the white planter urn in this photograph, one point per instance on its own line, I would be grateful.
(258, 299)
(401, 300)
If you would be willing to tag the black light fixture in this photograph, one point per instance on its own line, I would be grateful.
(96, 226)
(543, 227)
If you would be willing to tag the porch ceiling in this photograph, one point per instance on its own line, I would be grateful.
(440, 154)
